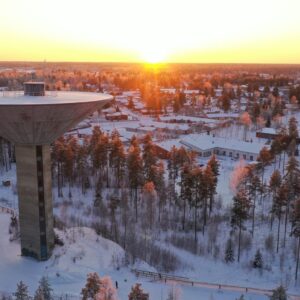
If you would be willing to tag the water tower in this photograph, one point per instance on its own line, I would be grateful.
(32, 120)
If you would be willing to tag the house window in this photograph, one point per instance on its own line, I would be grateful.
(244, 156)
(224, 153)
(237, 155)
(251, 157)
(230, 154)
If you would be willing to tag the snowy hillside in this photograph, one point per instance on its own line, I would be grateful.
(68, 267)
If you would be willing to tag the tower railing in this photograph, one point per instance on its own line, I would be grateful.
(15, 94)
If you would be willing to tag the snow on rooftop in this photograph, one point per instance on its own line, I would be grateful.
(208, 142)
(170, 90)
(18, 98)
(109, 110)
(147, 128)
(116, 114)
(131, 93)
(169, 144)
(170, 126)
(223, 115)
(191, 91)
(188, 118)
(268, 130)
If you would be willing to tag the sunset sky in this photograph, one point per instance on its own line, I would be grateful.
(256, 31)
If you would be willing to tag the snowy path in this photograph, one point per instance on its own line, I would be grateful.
(169, 279)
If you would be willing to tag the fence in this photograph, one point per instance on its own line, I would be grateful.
(167, 278)
(8, 210)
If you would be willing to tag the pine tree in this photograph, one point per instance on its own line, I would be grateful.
(137, 293)
(176, 105)
(173, 164)
(113, 205)
(82, 165)
(21, 292)
(214, 165)
(58, 158)
(255, 112)
(107, 290)
(284, 141)
(185, 157)
(208, 190)
(264, 158)
(292, 182)
(229, 252)
(186, 186)
(246, 121)
(135, 171)
(92, 287)
(160, 186)
(254, 185)
(125, 213)
(276, 148)
(101, 155)
(275, 91)
(279, 294)
(97, 288)
(258, 260)
(240, 213)
(149, 158)
(117, 157)
(45, 286)
(98, 194)
(149, 196)
(278, 203)
(39, 295)
(225, 102)
(96, 134)
(70, 150)
(296, 232)
(274, 184)
(199, 193)
(293, 129)
(130, 103)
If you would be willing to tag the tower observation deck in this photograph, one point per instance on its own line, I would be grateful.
(32, 120)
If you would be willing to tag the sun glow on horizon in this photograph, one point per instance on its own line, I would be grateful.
(153, 55)
(153, 58)
(151, 31)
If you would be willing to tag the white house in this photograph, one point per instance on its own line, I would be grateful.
(206, 145)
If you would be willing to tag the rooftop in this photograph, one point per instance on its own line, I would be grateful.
(188, 119)
(51, 98)
(208, 142)
(168, 144)
(268, 130)
(39, 120)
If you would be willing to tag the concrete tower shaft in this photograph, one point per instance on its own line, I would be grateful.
(32, 121)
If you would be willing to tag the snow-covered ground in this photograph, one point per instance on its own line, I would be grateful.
(69, 265)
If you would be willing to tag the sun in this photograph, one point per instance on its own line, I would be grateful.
(153, 58)
(153, 55)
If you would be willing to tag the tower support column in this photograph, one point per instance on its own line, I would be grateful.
(35, 200)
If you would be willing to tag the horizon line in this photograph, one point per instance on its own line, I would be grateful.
(148, 63)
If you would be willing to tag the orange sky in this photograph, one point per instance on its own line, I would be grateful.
(257, 31)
